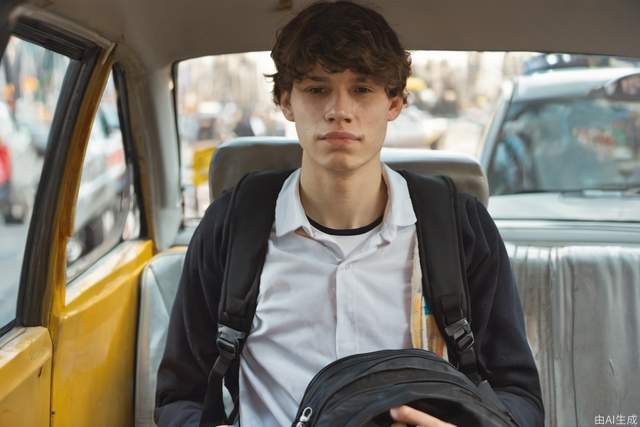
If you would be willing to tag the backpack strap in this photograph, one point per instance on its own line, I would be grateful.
(444, 281)
(248, 224)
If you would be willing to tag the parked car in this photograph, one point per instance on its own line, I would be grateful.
(103, 180)
(20, 168)
(415, 128)
(5, 174)
(564, 145)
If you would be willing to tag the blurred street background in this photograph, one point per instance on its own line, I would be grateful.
(452, 96)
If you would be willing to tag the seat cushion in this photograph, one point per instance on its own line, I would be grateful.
(158, 288)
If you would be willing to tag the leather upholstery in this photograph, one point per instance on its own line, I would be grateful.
(261, 153)
(158, 288)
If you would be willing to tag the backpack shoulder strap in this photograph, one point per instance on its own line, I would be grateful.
(444, 280)
(247, 227)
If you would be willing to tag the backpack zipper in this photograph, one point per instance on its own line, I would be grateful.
(383, 355)
(305, 417)
(505, 417)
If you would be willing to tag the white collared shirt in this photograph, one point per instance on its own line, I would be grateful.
(317, 305)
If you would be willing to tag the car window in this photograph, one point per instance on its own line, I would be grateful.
(457, 101)
(30, 82)
(106, 209)
(450, 98)
(565, 146)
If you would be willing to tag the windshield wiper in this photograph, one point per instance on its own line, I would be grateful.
(607, 189)
(626, 189)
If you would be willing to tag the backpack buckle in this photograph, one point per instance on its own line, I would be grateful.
(229, 341)
(461, 334)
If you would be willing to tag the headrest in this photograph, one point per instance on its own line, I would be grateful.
(237, 157)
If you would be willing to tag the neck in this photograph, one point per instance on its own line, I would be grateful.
(343, 200)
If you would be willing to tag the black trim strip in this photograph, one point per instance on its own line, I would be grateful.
(52, 38)
(131, 153)
(6, 328)
(346, 231)
(6, 26)
(174, 98)
(34, 296)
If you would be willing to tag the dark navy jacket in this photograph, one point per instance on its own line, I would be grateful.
(504, 355)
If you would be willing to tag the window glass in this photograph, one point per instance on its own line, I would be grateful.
(568, 146)
(106, 210)
(518, 113)
(30, 82)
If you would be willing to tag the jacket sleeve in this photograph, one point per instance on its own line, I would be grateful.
(504, 355)
(191, 350)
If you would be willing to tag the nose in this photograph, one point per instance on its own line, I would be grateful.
(340, 107)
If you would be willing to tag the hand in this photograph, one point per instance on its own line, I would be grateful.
(408, 415)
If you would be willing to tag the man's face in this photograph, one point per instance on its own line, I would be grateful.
(341, 118)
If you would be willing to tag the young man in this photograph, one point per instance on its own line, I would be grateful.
(337, 276)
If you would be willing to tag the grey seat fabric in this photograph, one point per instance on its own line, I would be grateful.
(261, 153)
(158, 288)
(582, 315)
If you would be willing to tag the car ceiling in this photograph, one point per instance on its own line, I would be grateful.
(160, 32)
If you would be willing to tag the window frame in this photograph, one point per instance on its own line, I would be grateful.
(35, 287)
(130, 150)
(131, 160)
(174, 99)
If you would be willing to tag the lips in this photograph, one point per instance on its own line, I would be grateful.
(340, 136)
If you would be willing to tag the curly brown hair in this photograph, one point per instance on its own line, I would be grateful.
(339, 36)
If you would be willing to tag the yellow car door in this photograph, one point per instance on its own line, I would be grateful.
(73, 243)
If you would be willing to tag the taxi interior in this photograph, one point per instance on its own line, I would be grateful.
(84, 346)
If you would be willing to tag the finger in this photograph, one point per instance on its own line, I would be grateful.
(409, 415)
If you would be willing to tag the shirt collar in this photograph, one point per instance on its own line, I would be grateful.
(399, 210)
(290, 214)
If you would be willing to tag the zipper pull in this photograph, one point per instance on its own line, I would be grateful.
(305, 417)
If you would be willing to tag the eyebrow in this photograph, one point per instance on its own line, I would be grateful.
(313, 77)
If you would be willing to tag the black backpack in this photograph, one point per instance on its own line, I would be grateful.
(248, 224)
(358, 391)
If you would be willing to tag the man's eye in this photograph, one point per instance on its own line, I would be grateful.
(363, 89)
(315, 90)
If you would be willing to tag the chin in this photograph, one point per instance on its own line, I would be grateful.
(343, 163)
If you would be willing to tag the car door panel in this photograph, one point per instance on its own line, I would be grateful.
(94, 359)
(25, 377)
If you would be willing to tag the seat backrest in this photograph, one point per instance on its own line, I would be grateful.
(158, 288)
(237, 157)
(582, 314)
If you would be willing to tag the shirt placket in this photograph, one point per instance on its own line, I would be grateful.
(344, 311)
(347, 302)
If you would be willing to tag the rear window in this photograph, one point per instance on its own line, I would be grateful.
(455, 103)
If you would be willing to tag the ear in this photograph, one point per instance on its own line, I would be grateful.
(285, 105)
(395, 107)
